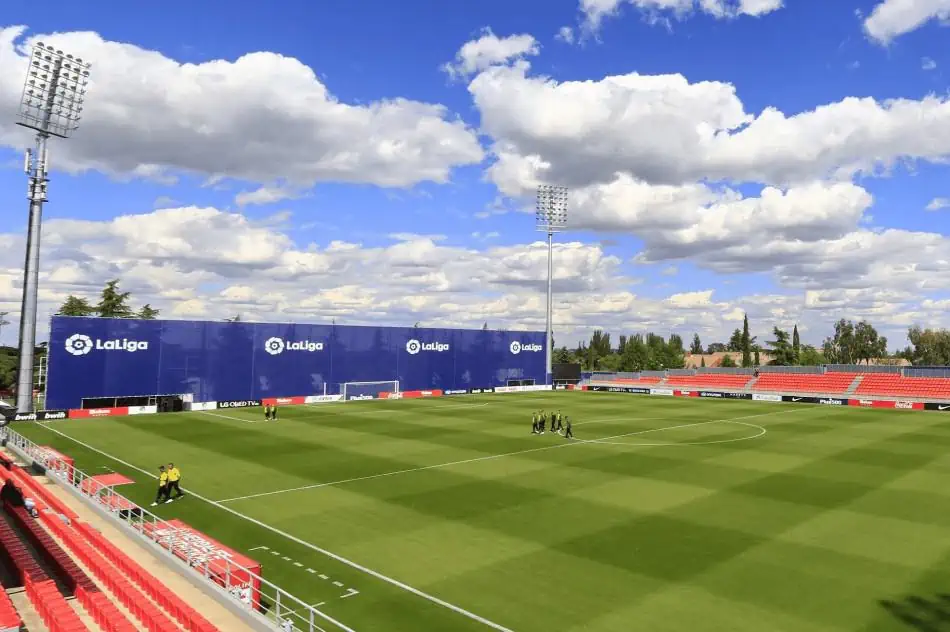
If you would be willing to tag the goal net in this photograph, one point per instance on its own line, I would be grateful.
(369, 390)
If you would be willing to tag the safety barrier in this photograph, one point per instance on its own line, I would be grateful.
(217, 574)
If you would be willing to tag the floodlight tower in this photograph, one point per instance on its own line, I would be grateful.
(51, 105)
(551, 217)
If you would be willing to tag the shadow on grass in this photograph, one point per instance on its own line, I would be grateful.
(922, 614)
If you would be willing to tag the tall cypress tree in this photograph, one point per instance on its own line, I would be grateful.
(746, 343)
(796, 345)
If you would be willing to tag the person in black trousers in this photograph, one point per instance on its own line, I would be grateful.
(568, 433)
(162, 494)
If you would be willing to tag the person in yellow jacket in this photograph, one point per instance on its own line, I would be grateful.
(162, 494)
(174, 475)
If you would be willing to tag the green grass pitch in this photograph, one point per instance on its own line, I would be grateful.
(666, 514)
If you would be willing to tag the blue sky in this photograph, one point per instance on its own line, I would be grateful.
(178, 132)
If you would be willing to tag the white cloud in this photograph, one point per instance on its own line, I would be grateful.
(489, 50)
(266, 195)
(595, 11)
(666, 130)
(926, 63)
(261, 117)
(565, 34)
(893, 18)
(937, 204)
(205, 263)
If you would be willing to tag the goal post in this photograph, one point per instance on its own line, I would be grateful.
(368, 390)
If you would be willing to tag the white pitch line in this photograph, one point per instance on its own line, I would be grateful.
(491, 457)
(761, 432)
(313, 547)
(208, 412)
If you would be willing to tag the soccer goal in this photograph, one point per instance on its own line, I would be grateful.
(369, 390)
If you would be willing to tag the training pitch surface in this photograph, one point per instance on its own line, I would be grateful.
(664, 515)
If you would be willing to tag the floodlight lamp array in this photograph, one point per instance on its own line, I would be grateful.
(54, 93)
(551, 210)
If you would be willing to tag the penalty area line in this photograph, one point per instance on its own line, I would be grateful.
(313, 547)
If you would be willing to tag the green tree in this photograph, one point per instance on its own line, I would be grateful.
(868, 343)
(702, 362)
(75, 306)
(697, 346)
(717, 347)
(930, 347)
(735, 341)
(810, 356)
(756, 357)
(635, 354)
(674, 355)
(782, 352)
(485, 326)
(622, 343)
(796, 345)
(237, 318)
(727, 362)
(148, 312)
(853, 343)
(113, 303)
(746, 343)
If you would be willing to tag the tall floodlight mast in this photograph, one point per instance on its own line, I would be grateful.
(551, 217)
(51, 105)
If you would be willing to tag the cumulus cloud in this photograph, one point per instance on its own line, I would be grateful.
(260, 118)
(666, 130)
(595, 11)
(205, 263)
(892, 18)
(489, 50)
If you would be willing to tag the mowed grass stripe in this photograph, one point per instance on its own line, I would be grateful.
(606, 538)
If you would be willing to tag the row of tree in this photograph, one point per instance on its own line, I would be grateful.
(851, 343)
(112, 304)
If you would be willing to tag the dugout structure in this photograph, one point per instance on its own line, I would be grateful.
(92, 359)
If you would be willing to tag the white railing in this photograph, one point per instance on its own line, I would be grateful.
(230, 579)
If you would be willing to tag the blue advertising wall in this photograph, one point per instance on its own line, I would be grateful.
(98, 357)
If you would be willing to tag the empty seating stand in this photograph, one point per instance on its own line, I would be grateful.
(629, 381)
(142, 594)
(911, 387)
(825, 384)
(9, 619)
(40, 589)
(710, 380)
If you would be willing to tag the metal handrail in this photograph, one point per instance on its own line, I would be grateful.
(225, 575)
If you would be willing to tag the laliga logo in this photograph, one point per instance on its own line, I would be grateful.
(276, 346)
(414, 346)
(81, 344)
(516, 347)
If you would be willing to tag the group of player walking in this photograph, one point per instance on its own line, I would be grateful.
(539, 421)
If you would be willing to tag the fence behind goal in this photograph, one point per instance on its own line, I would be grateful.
(219, 361)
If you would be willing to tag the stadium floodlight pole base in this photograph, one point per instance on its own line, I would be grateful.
(372, 387)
